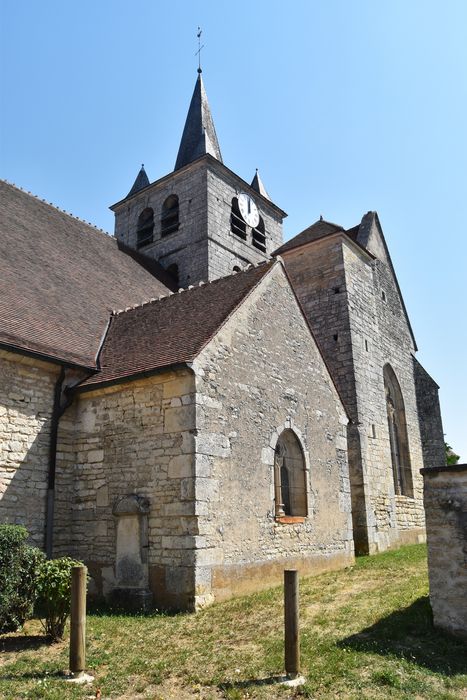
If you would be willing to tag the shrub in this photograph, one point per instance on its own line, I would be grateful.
(54, 591)
(19, 565)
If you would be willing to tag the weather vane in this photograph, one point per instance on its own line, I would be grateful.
(198, 53)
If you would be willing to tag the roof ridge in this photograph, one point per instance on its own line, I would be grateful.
(201, 283)
(57, 208)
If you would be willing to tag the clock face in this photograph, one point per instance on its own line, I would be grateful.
(248, 209)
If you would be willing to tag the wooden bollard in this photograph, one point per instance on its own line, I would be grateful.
(291, 624)
(78, 620)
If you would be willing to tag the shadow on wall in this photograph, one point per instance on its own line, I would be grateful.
(409, 634)
(24, 495)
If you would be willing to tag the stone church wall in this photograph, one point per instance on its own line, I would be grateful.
(429, 416)
(225, 249)
(445, 495)
(137, 439)
(187, 247)
(340, 288)
(380, 335)
(26, 403)
(261, 374)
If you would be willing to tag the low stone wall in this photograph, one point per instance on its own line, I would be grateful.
(445, 496)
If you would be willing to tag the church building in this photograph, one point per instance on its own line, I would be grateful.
(192, 405)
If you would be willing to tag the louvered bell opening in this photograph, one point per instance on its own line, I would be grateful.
(258, 236)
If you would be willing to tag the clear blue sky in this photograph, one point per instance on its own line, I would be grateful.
(344, 106)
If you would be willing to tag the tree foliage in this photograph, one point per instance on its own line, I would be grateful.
(19, 569)
(54, 592)
(451, 457)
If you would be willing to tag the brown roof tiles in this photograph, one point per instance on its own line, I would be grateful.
(172, 330)
(60, 278)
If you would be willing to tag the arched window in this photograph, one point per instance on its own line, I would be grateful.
(145, 229)
(398, 438)
(237, 225)
(173, 271)
(258, 236)
(236, 268)
(169, 217)
(289, 476)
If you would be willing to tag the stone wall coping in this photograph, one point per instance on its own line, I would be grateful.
(444, 468)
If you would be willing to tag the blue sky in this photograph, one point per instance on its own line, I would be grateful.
(344, 106)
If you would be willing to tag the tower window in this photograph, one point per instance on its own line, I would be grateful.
(237, 225)
(145, 228)
(258, 236)
(170, 215)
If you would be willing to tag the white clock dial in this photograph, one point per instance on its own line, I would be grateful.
(248, 209)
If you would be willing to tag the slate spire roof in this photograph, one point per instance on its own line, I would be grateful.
(199, 135)
(257, 184)
(141, 181)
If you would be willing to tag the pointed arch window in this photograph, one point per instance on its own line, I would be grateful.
(289, 476)
(170, 215)
(258, 236)
(145, 228)
(398, 437)
(237, 225)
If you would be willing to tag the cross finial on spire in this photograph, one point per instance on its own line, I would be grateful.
(198, 53)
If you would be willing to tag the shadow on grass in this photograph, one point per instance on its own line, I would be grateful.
(32, 675)
(102, 608)
(24, 642)
(409, 634)
(252, 683)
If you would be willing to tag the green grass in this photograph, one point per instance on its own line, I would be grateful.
(366, 632)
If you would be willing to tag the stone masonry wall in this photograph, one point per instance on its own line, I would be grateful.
(226, 249)
(261, 374)
(186, 247)
(429, 416)
(133, 438)
(318, 276)
(445, 495)
(359, 331)
(203, 247)
(26, 403)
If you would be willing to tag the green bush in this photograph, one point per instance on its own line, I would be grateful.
(54, 591)
(19, 565)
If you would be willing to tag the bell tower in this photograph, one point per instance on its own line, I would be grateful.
(201, 221)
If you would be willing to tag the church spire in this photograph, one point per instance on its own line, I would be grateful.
(257, 184)
(141, 181)
(199, 135)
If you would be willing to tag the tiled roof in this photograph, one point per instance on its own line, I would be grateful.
(60, 278)
(171, 330)
(317, 230)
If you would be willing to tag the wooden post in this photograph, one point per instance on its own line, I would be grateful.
(78, 620)
(292, 634)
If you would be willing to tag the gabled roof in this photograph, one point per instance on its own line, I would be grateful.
(171, 330)
(61, 277)
(199, 135)
(141, 181)
(317, 230)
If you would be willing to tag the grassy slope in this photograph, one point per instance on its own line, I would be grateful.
(366, 633)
